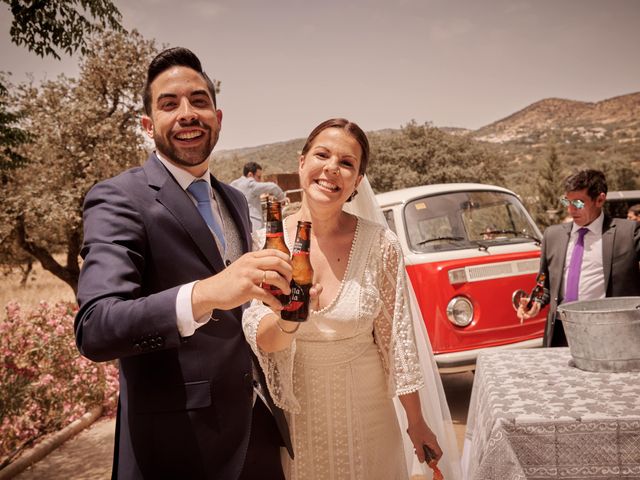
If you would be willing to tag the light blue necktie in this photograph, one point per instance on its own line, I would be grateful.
(200, 192)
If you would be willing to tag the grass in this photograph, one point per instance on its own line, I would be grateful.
(41, 286)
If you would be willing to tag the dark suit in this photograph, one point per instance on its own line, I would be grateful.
(620, 257)
(185, 406)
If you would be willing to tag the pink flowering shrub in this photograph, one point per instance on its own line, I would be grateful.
(45, 383)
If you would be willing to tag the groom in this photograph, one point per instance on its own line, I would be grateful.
(164, 277)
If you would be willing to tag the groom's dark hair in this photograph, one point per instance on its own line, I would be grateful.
(174, 57)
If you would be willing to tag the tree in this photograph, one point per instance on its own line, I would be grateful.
(423, 154)
(84, 130)
(549, 188)
(11, 137)
(49, 26)
(45, 27)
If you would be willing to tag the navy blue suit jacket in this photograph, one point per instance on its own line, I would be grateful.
(185, 403)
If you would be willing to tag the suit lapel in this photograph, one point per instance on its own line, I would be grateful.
(563, 244)
(608, 236)
(178, 203)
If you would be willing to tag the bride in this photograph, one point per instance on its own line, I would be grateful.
(364, 345)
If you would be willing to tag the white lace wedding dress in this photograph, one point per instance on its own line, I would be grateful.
(337, 380)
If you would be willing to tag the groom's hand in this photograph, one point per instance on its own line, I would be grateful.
(242, 281)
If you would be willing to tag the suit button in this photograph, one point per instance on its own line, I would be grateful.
(227, 262)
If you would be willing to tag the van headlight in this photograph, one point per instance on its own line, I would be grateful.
(460, 311)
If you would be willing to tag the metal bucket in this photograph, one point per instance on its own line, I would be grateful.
(603, 335)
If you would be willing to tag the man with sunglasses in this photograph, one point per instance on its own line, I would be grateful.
(592, 257)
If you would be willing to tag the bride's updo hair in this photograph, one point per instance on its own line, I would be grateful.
(352, 129)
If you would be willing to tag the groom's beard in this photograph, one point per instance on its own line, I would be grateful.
(188, 156)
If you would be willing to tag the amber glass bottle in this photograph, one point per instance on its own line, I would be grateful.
(298, 308)
(537, 291)
(275, 240)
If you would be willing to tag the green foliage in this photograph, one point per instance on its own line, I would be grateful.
(11, 137)
(549, 187)
(84, 130)
(47, 27)
(423, 154)
(610, 147)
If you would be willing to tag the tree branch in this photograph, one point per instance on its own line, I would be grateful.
(43, 256)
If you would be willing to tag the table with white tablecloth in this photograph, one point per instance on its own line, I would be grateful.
(533, 415)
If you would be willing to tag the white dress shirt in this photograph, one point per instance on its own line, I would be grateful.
(591, 286)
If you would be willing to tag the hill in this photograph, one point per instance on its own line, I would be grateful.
(587, 120)
(603, 134)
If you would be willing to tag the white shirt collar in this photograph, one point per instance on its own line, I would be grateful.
(183, 177)
(593, 227)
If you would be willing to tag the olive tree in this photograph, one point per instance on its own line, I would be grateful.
(83, 130)
(423, 154)
(48, 28)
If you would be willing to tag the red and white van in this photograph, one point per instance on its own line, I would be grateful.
(468, 247)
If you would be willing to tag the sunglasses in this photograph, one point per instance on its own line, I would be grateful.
(579, 204)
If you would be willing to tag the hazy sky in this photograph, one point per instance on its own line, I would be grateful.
(285, 66)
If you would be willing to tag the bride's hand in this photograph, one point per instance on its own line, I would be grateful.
(420, 435)
(314, 294)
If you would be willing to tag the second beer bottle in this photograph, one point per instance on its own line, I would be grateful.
(275, 240)
(298, 308)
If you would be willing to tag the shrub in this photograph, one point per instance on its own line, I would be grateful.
(46, 384)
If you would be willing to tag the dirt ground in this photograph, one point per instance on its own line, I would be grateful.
(88, 455)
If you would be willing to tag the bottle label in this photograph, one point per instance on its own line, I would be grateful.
(274, 229)
(301, 247)
(298, 297)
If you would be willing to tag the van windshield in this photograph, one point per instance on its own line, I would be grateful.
(452, 221)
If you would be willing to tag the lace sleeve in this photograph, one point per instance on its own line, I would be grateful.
(277, 366)
(393, 327)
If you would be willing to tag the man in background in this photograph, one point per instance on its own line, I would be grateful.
(253, 188)
(592, 257)
(634, 213)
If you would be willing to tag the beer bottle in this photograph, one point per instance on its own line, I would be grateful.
(537, 291)
(275, 240)
(298, 308)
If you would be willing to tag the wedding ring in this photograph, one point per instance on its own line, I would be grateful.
(264, 278)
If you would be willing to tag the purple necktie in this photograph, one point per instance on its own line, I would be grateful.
(575, 265)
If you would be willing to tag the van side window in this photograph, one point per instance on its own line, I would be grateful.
(388, 215)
